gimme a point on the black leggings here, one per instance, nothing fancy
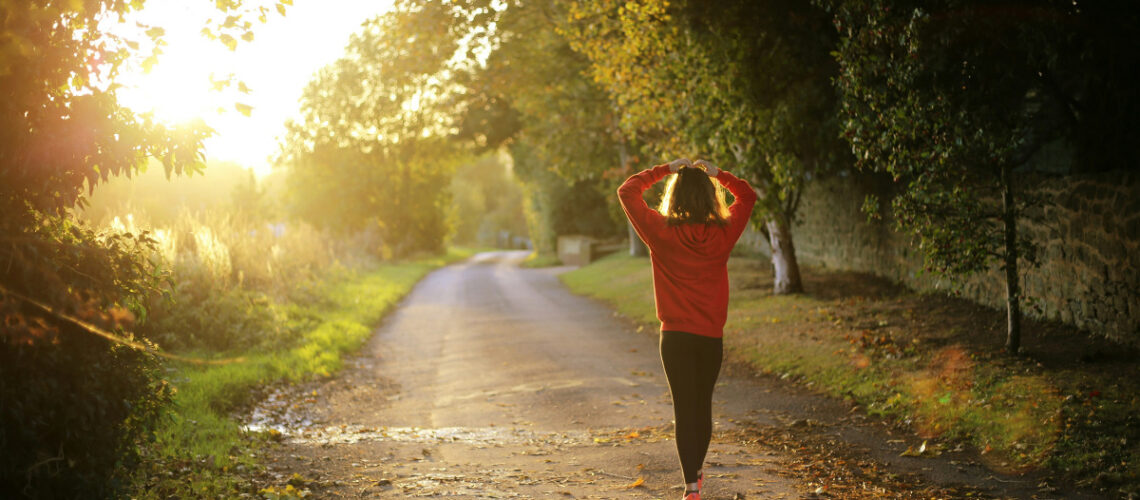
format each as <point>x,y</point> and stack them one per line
<point>692,364</point>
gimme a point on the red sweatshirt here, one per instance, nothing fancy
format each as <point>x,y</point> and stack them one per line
<point>690,261</point>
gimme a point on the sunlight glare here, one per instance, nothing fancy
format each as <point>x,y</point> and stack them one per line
<point>178,89</point>
<point>276,66</point>
<point>177,92</point>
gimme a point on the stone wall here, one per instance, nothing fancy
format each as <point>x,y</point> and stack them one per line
<point>1088,232</point>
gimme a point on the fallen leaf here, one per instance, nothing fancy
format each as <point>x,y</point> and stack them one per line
<point>640,481</point>
<point>912,452</point>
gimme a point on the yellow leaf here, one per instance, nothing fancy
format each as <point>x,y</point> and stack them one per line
<point>640,481</point>
<point>229,40</point>
<point>244,109</point>
<point>912,452</point>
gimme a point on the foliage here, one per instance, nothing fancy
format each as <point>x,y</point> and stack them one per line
<point>567,122</point>
<point>59,398</point>
<point>941,96</point>
<point>163,200</point>
<point>956,100</point>
<point>487,201</point>
<point>555,206</point>
<point>917,109</point>
<point>371,148</point>
<point>744,84</point>
<point>74,407</point>
<point>559,127</point>
<point>229,273</point>
<point>730,81</point>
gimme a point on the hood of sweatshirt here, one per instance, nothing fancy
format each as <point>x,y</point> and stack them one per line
<point>701,239</point>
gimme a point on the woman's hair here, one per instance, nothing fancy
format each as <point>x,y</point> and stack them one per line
<point>691,197</point>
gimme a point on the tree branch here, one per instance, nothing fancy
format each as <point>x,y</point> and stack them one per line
<point>134,344</point>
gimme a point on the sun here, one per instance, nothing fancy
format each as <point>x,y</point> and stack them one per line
<point>266,75</point>
<point>179,87</point>
<point>177,90</point>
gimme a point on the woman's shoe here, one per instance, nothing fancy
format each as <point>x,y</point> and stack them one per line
<point>692,495</point>
<point>700,480</point>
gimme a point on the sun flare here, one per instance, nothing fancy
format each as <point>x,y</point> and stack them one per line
<point>179,87</point>
<point>274,67</point>
<point>175,92</point>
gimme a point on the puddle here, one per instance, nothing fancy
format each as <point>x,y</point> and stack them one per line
<point>286,412</point>
<point>278,412</point>
<point>488,436</point>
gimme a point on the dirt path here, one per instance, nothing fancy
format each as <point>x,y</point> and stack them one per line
<point>493,381</point>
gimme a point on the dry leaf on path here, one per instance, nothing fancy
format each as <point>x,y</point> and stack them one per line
<point>911,452</point>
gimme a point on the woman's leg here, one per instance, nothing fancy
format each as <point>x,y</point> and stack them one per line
<point>692,364</point>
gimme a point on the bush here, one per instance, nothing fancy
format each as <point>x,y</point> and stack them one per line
<point>74,415</point>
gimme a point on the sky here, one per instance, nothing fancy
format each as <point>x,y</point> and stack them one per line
<point>276,66</point>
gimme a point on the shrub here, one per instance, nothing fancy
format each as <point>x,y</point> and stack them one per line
<point>74,414</point>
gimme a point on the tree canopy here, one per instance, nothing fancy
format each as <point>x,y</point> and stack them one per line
<point>955,100</point>
<point>744,84</point>
<point>371,149</point>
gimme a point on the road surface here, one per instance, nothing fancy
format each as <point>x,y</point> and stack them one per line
<point>494,381</point>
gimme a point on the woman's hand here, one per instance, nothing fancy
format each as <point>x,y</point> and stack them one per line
<point>709,167</point>
<point>676,165</point>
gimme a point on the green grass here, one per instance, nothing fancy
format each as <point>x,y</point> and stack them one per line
<point>900,362</point>
<point>205,445</point>
<point>535,260</point>
<point>621,280</point>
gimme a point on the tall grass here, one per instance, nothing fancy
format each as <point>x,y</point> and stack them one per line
<point>233,276</point>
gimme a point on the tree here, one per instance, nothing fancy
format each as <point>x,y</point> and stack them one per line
<point>78,395</point>
<point>488,202</point>
<point>530,96</point>
<point>371,148</point>
<point>957,100</point>
<point>745,84</point>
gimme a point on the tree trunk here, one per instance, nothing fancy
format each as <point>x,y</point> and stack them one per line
<point>1012,286</point>
<point>637,247</point>
<point>784,263</point>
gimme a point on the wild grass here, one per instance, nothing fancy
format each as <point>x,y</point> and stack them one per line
<point>916,362</point>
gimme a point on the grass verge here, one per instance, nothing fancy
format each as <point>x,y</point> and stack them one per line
<point>202,452</point>
<point>930,363</point>
<point>535,260</point>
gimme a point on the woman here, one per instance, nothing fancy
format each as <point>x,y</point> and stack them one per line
<point>689,241</point>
